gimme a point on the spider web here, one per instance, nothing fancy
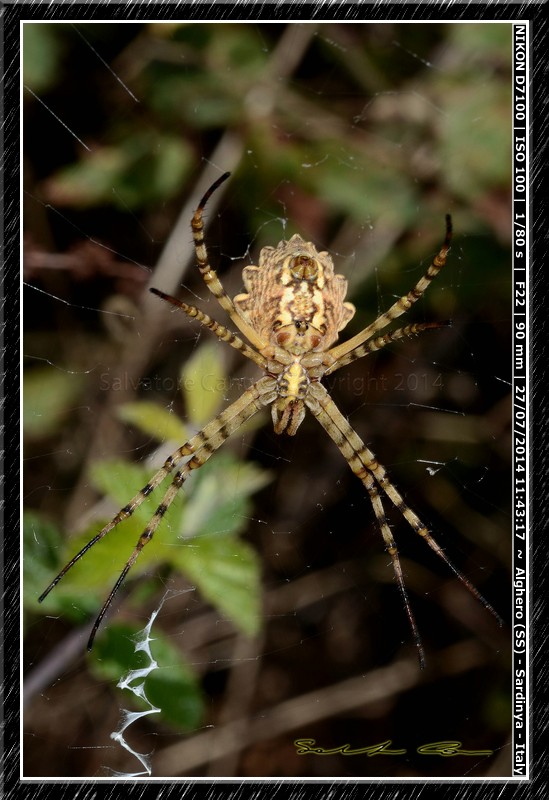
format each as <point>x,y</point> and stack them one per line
<point>334,661</point>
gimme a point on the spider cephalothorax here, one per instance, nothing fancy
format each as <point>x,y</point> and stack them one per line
<point>291,314</point>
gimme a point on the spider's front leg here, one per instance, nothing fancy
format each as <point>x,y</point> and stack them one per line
<point>343,353</point>
<point>210,276</point>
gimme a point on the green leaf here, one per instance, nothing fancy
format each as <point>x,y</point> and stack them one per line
<point>225,570</point>
<point>479,118</point>
<point>48,395</point>
<point>86,582</point>
<point>90,181</point>
<point>171,686</point>
<point>154,420</point>
<point>45,553</point>
<point>139,169</point>
<point>204,383</point>
<point>227,573</point>
<point>220,500</point>
<point>121,481</point>
<point>383,193</point>
<point>173,161</point>
<point>42,52</point>
<point>41,542</point>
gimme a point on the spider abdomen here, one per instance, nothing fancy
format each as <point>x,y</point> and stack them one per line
<point>294,299</point>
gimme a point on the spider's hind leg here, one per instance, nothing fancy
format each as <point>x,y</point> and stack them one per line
<point>367,468</point>
<point>391,548</point>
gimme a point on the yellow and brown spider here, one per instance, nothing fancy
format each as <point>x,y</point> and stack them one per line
<point>291,314</point>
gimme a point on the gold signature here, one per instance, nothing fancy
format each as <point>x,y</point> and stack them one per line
<point>449,748</point>
<point>445,748</point>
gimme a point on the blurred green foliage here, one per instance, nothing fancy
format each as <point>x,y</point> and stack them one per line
<point>196,79</point>
<point>48,395</point>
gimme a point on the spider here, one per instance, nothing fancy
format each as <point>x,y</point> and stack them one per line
<point>291,314</point>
